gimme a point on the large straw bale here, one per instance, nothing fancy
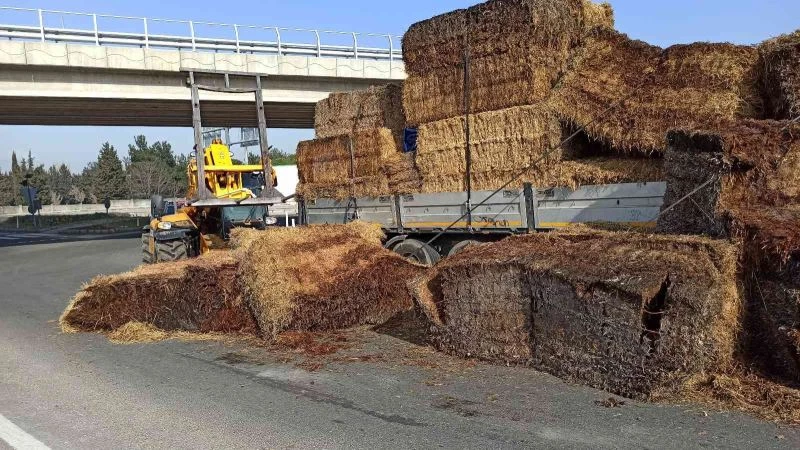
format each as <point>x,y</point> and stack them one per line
<point>781,57</point>
<point>749,163</point>
<point>378,166</point>
<point>652,90</point>
<point>347,112</point>
<point>494,27</point>
<point>641,312</point>
<point>517,50</point>
<point>200,295</point>
<point>504,142</point>
<point>322,277</point>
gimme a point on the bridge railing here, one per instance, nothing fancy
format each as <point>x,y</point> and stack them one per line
<point>88,28</point>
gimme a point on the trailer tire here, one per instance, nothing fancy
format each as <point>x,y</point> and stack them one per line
<point>174,250</point>
<point>417,251</point>
<point>459,247</point>
<point>147,256</point>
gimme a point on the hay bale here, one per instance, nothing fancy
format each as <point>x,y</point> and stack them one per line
<point>494,27</point>
<point>781,58</point>
<point>517,50</point>
<point>753,163</point>
<point>347,112</point>
<point>378,166</point>
<point>322,277</point>
<point>505,142</point>
<point>693,86</point>
<point>199,295</point>
<point>641,313</point>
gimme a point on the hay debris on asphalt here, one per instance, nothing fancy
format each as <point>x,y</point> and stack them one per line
<point>200,295</point>
<point>322,277</point>
<point>623,312</point>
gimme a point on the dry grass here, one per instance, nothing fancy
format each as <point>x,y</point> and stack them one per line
<point>642,312</point>
<point>321,277</point>
<point>199,295</point>
<point>347,112</point>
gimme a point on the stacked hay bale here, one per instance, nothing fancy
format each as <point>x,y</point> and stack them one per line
<point>744,184</point>
<point>322,277</point>
<point>628,93</point>
<point>643,312</point>
<point>781,57</point>
<point>358,147</point>
<point>517,52</point>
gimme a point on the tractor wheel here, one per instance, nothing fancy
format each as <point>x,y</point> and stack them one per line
<point>171,250</point>
<point>147,256</point>
<point>417,251</point>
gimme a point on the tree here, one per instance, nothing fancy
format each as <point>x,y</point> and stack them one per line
<point>147,178</point>
<point>160,151</point>
<point>277,156</point>
<point>108,177</point>
<point>59,180</point>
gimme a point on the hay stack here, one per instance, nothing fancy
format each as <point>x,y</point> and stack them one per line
<point>379,167</point>
<point>195,295</point>
<point>517,50</point>
<point>322,277</point>
<point>781,57</point>
<point>345,112</point>
<point>641,312</point>
<point>686,86</point>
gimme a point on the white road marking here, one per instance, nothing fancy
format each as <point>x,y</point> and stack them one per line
<point>17,438</point>
<point>8,238</point>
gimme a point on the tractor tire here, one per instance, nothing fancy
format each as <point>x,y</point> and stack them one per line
<point>147,256</point>
<point>417,251</point>
<point>174,250</point>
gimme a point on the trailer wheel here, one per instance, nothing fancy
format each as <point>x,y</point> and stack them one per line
<point>173,250</point>
<point>458,248</point>
<point>417,251</point>
<point>147,256</point>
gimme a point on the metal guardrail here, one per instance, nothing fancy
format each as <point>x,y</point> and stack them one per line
<point>318,43</point>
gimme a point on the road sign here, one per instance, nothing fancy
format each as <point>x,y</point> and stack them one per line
<point>29,194</point>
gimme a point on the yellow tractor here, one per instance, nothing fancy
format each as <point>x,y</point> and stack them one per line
<point>206,223</point>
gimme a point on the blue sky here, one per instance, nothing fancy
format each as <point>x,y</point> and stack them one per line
<point>658,22</point>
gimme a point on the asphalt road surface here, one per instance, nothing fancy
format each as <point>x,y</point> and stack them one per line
<point>81,391</point>
<point>8,239</point>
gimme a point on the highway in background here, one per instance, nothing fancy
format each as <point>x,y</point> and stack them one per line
<point>81,391</point>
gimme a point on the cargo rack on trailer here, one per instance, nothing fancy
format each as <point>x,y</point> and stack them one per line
<point>411,221</point>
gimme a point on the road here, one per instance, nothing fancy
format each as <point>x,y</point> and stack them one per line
<point>11,239</point>
<point>81,391</point>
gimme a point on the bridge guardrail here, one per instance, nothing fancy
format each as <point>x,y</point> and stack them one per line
<point>35,27</point>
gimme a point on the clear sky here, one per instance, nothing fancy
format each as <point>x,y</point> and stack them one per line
<point>660,22</point>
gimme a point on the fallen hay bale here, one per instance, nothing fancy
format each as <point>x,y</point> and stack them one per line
<point>641,313</point>
<point>691,86</point>
<point>199,295</point>
<point>377,167</point>
<point>320,278</point>
<point>781,58</point>
<point>347,112</point>
<point>516,49</point>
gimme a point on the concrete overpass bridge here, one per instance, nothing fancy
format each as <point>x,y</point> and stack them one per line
<point>114,70</point>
